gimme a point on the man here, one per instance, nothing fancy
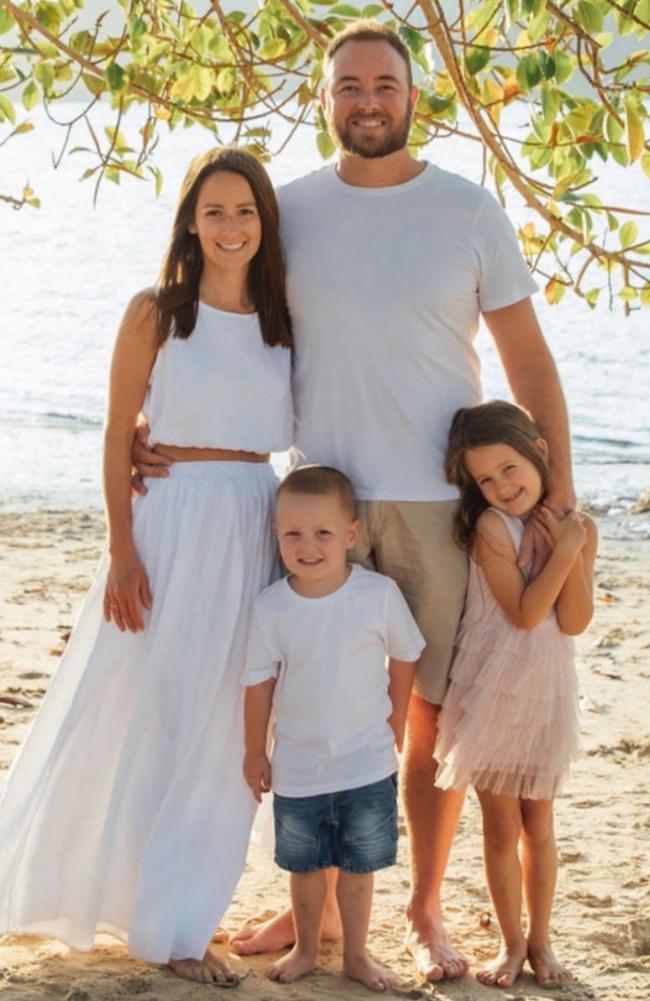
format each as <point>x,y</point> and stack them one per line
<point>390,263</point>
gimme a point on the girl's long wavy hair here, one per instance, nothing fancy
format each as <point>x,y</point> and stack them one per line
<point>492,423</point>
<point>178,285</point>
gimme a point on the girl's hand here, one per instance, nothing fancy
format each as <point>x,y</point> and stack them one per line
<point>568,533</point>
<point>257,772</point>
<point>127,592</point>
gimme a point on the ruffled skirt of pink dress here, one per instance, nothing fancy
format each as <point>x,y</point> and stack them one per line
<point>509,722</point>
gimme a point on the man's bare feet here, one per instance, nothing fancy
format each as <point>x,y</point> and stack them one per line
<point>545,965</point>
<point>278,933</point>
<point>369,973</point>
<point>209,970</point>
<point>505,968</point>
<point>292,966</point>
<point>435,959</point>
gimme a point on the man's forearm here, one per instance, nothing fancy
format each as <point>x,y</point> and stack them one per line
<point>535,385</point>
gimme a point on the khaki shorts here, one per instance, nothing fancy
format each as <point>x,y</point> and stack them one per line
<point>411,541</point>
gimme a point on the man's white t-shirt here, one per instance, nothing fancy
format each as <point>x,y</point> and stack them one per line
<point>331,701</point>
<point>385,288</point>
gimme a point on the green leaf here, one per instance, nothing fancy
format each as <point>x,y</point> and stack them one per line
<point>645,295</point>
<point>589,16</point>
<point>613,130</point>
<point>44,73</point>
<point>529,72</point>
<point>547,64</point>
<point>138,27</point>
<point>634,132</point>
<point>7,110</point>
<point>325,145</point>
<point>31,95</point>
<point>591,297</point>
<point>272,48</point>
<point>346,10</point>
<point>645,164</point>
<point>415,40</point>
<point>94,84</point>
<point>564,66</point>
<point>23,127</point>
<point>476,58</point>
<point>116,79</point>
<point>628,234</point>
<point>642,11</point>
<point>627,293</point>
<point>6,21</point>
<point>372,10</point>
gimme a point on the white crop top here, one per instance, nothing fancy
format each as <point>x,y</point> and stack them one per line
<point>222,387</point>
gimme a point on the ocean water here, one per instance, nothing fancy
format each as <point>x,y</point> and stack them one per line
<point>68,269</point>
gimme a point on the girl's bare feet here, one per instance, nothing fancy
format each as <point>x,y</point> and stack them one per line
<point>209,970</point>
<point>292,966</point>
<point>369,973</point>
<point>545,965</point>
<point>505,968</point>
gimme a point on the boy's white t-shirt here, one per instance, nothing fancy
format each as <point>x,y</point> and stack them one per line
<point>331,700</point>
<point>385,288</point>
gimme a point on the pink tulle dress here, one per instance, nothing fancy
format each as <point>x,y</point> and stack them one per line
<point>509,722</point>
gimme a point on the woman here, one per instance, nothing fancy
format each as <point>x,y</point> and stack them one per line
<point>126,810</point>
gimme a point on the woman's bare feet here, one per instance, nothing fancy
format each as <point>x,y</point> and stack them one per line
<point>278,933</point>
<point>545,965</point>
<point>292,966</point>
<point>435,958</point>
<point>505,968</point>
<point>369,973</point>
<point>209,970</point>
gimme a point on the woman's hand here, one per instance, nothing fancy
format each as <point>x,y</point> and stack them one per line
<point>127,592</point>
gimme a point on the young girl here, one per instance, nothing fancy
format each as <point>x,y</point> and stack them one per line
<point>126,810</point>
<point>508,725</point>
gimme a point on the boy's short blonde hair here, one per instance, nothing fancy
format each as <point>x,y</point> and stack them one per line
<point>319,481</point>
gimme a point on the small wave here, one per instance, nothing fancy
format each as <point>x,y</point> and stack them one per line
<point>52,419</point>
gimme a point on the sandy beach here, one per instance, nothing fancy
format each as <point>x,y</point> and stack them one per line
<point>602,914</point>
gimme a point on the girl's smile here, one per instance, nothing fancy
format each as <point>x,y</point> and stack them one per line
<point>508,480</point>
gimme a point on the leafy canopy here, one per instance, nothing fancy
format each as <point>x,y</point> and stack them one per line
<point>579,69</point>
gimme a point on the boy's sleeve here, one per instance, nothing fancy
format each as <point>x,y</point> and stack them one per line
<point>404,641</point>
<point>262,658</point>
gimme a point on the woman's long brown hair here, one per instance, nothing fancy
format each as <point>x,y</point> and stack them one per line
<point>178,286</point>
<point>492,423</point>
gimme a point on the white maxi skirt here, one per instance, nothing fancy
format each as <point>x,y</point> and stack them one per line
<point>126,810</point>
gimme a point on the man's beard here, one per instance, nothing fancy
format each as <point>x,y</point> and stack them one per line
<point>394,141</point>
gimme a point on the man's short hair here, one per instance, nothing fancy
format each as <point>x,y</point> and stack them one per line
<point>367,30</point>
<point>320,481</point>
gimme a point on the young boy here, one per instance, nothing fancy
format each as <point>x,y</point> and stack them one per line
<point>317,655</point>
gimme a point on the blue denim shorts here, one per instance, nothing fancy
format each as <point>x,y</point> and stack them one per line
<point>354,830</point>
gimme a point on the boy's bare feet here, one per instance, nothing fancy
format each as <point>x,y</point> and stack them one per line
<point>505,968</point>
<point>292,966</point>
<point>209,970</point>
<point>278,933</point>
<point>435,958</point>
<point>546,967</point>
<point>369,973</point>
